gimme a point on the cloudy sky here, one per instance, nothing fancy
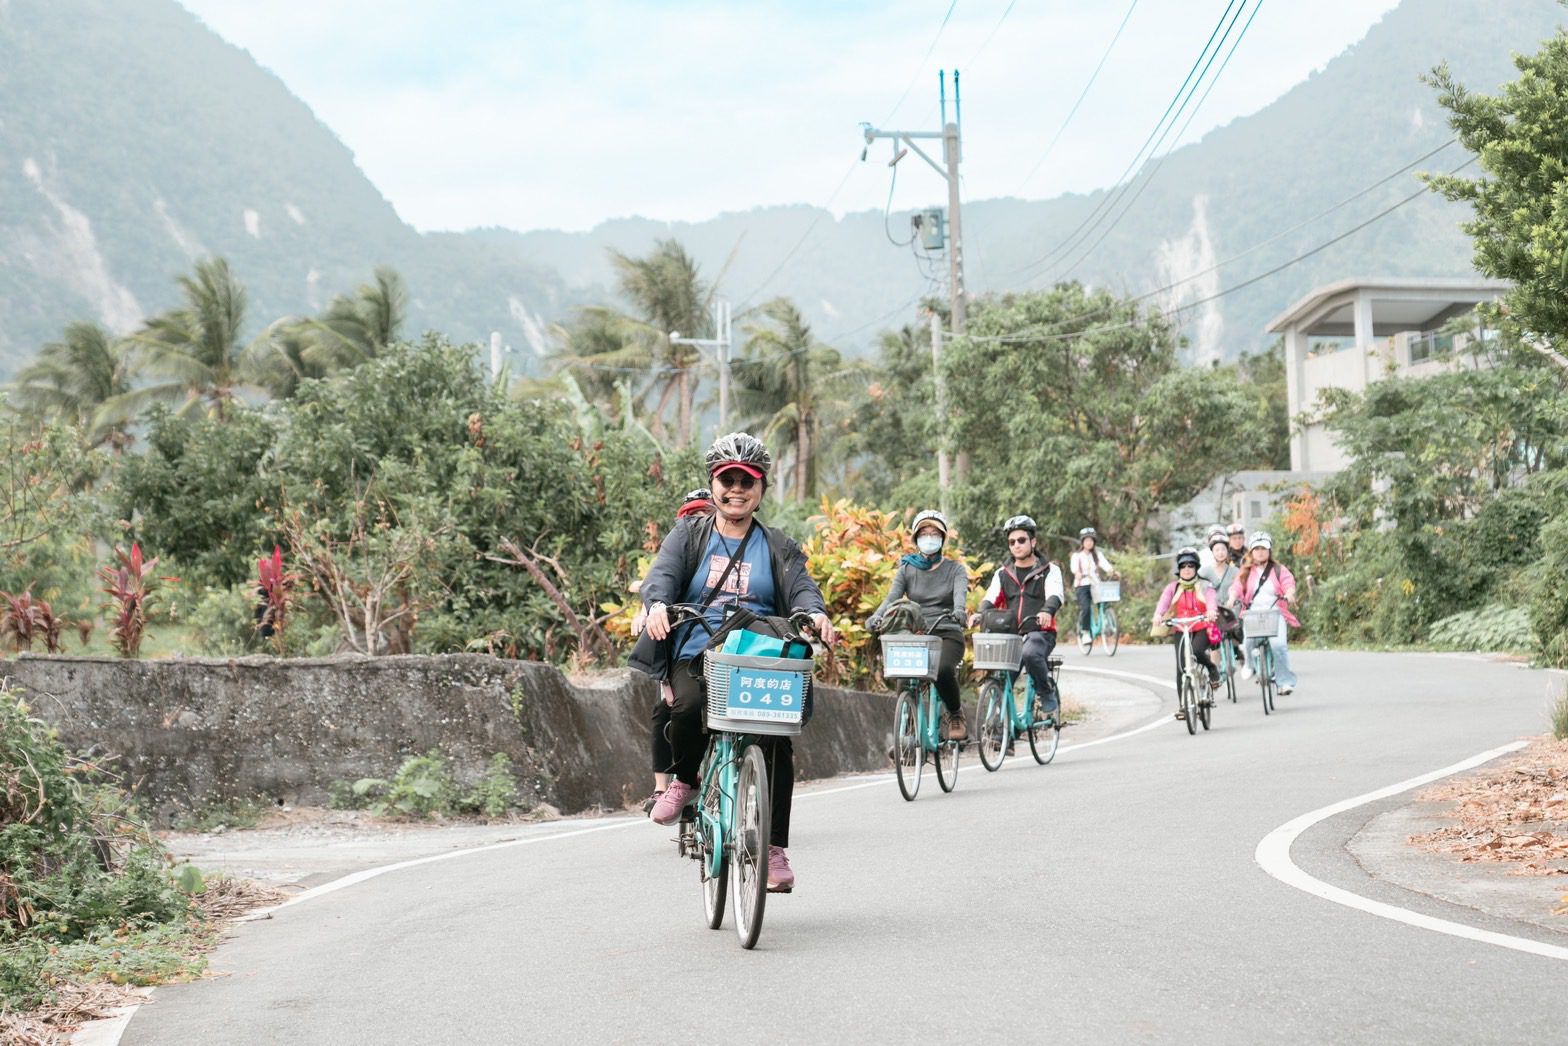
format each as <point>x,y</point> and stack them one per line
<point>549,114</point>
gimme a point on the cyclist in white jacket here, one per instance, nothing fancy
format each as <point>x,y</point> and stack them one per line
<point>1089,567</point>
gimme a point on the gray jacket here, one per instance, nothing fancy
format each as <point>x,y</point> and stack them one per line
<point>938,590</point>
<point>677,562</point>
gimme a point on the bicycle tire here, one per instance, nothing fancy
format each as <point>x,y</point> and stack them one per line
<point>1045,736</point>
<point>715,888</point>
<point>752,814</point>
<point>946,756</point>
<point>908,756</point>
<point>1110,633</point>
<point>993,728</point>
<point>1266,675</point>
<point>1206,709</point>
<point>1189,704</point>
<point>1230,671</point>
<point>1086,642</point>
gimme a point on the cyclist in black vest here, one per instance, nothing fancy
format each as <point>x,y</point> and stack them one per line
<point>1030,590</point>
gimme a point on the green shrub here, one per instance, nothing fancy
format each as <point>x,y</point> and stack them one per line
<point>223,621</point>
<point>496,792</point>
<point>1559,714</point>
<point>421,787</point>
<point>1549,597</point>
<point>1495,628</point>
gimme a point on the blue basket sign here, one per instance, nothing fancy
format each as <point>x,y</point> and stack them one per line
<point>907,659</point>
<point>759,694</point>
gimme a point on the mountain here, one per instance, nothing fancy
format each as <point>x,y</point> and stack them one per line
<point>133,140</point>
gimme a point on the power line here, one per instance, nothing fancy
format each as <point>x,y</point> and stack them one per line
<point>1191,114</point>
<point>921,67</point>
<point>1073,237</point>
<point>1054,330</point>
<point>1081,96</point>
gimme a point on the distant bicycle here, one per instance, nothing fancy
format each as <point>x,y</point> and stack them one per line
<point>1227,663</point>
<point>920,720</point>
<point>1197,693</point>
<point>1102,619</point>
<point>1003,717</point>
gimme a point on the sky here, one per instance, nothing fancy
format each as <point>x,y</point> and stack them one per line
<point>549,114</point>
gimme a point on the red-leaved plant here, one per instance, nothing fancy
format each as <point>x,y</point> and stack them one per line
<point>25,619</point>
<point>276,597</point>
<point>130,587</point>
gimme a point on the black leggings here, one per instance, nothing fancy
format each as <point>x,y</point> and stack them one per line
<point>1037,653</point>
<point>1200,649</point>
<point>947,673</point>
<point>687,727</point>
<point>663,755</point>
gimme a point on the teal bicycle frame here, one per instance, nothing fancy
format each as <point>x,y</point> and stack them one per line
<point>1020,718</point>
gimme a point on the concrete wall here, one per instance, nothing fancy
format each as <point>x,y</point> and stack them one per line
<point>190,732</point>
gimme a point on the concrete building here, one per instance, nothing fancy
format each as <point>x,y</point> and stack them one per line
<point>1250,497</point>
<point>1378,328</point>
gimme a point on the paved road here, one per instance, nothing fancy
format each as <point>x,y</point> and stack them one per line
<point>1110,897</point>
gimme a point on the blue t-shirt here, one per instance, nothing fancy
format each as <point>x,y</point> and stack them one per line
<point>750,585</point>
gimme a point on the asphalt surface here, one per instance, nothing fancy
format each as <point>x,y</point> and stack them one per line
<point>1110,897</point>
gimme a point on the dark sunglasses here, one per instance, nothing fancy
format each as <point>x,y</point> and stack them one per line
<point>1018,541</point>
<point>735,478</point>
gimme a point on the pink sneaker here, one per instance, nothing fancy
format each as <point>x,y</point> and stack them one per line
<point>781,879</point>
<point>668,809</point>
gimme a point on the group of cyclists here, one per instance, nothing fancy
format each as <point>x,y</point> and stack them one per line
<point>719,558</point>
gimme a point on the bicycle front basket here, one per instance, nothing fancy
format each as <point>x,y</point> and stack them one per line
<point>998,652</point>
<point>1106,591</point>
<point>1260,624</point>
<point>757,695</point>
<point>908,656</point>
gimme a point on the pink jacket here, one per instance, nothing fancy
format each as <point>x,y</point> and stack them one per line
<point>1168,597</point>
<point>1283,583</point>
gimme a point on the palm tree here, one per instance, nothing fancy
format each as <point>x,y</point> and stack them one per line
<point>284,356</point>
<point>196,348</point>
<point>667,294</point>
<point>85,378</point>
<point>791,387</point>
<point>353,330</point>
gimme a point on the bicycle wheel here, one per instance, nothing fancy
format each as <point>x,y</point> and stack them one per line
<point>1265,668</point>
<point>1205,705</point>
<point>1110,634</point>
<point>946,758</point>
<point>710,841</point>
<point>1189,704</point>
<point>993,726</point>
<point>1086,640</point>
<point>1229,671</point>
<point>751,846</point>
<point>1045,736</point>
<point>908,758</point>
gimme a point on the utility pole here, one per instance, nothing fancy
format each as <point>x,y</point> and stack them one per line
<point>943,481</point>
<point>952,152</point>
<point>720,344</point>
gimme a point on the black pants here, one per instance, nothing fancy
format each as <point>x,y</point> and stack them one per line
<point>688,742</point>
<point>1085,608</point>
<point>947,672</point>
<point>1200,649</point>
<point>1037,652</point>
<point>663,755</point>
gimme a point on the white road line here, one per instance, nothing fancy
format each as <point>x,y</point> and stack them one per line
<point>1273,855</point>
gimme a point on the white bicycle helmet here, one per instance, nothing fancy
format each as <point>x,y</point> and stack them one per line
<point>1020,523</point>
<point>1260,539</point>
<point>739,450</point>
<point>931,516</point>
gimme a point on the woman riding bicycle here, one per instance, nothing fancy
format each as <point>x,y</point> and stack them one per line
<point>1220,572</point>
<point>1265,584</point>
<point>938,585</point>
<point>1089,567</point>
<point>1190,597</point>
<point>1030,590</point>
<point>726,561</point>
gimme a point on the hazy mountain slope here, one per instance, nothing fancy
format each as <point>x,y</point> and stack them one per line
<point>133,141</point>
<point>1364,116</point>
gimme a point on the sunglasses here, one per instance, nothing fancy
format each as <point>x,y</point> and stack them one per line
<point>736,479</point>
<point>1018,541</point>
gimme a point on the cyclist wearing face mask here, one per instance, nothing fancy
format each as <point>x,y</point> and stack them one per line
<point>938,584</point>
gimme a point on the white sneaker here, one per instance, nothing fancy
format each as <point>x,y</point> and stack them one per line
<point>1286,691</point>
<point>1246,672</point>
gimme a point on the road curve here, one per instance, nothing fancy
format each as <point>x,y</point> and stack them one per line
<point>1112,896</point>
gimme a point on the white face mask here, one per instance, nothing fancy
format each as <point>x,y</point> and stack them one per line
<point>929,544</point>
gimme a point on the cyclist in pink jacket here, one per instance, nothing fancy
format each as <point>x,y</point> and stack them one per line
<point>1189,596</point>
<point>1266,584</point>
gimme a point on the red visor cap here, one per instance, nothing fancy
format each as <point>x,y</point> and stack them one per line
<point>751,470</point>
